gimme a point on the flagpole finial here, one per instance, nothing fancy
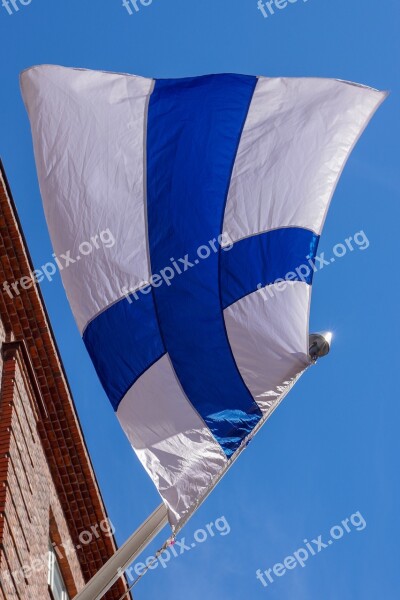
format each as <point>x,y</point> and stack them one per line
<point>319,344</point>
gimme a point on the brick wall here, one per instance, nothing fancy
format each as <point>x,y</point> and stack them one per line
<point>28,498</point>
<point>2,339</point>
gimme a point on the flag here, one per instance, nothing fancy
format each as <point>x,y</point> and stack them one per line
<point>213,191</point>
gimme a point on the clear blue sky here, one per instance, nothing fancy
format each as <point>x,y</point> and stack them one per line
<point>333,446</point>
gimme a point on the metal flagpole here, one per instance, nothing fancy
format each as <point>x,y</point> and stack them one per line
<point>124,556</point>
<point>319,346</point>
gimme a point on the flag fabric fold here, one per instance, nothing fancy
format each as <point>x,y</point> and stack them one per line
<point>212,188</point>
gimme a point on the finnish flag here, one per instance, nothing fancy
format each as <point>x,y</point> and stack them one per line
<point>215,189</point>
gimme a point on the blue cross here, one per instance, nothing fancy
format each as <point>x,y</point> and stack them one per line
<point>194,129</point>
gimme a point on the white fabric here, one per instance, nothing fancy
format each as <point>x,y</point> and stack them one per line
<point>174,445</point>
<point>297,137</point>
<point>89,137</point>
<point>268,334</point>
<point>88,129</point>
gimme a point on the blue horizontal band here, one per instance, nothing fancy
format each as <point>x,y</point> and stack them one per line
<point>262,259</point>
<point>123,342</point>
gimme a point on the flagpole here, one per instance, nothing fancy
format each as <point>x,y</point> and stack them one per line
<point>124,556</point>
<point>319,346</point>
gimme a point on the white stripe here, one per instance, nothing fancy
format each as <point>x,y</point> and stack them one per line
<point>174,445</point>
<point>296,139</point>
<point>88,129</point>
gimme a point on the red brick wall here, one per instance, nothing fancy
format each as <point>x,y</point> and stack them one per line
<point>2,338</point>
<point>28,499</point>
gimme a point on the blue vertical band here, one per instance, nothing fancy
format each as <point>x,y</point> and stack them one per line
<point>194,129</point>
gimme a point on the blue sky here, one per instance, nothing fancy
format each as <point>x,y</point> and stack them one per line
<point>332,448</point>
